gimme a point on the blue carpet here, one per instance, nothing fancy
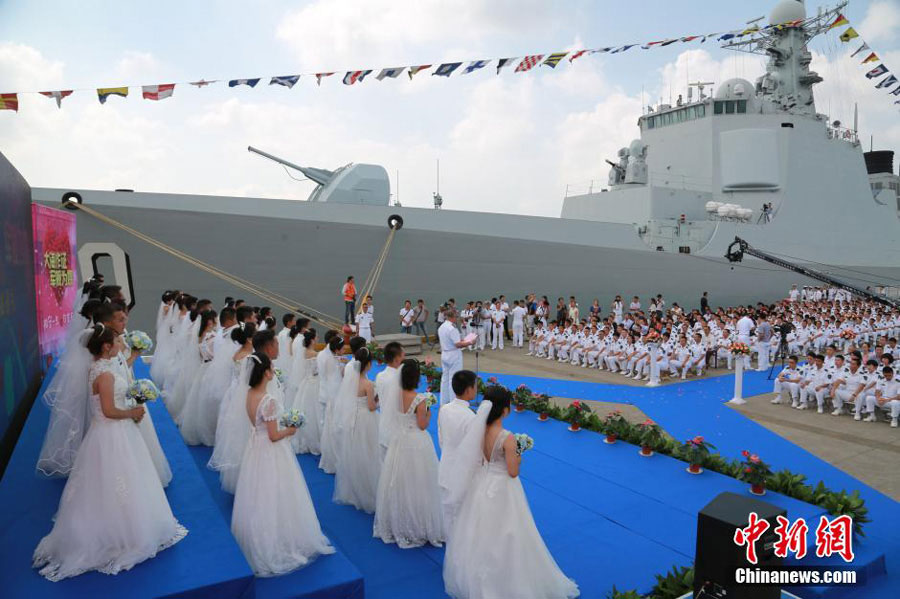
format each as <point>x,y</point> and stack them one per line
<point>207,563</point>
<point>609,516</point>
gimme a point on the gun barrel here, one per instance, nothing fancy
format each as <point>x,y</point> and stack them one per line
<point>319,176</point>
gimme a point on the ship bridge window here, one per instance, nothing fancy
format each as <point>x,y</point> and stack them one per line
<point>683,115</point>
<point>730,107</point>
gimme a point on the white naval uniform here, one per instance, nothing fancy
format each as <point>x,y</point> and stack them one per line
<point>364,325</point>
<point>451,358</point>
<point>454,419</point>
<point>518,325</point>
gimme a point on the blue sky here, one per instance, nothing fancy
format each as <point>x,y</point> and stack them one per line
<point>508,143</point>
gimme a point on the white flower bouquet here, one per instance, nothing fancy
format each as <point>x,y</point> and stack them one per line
<point>141,391</point>
<point>523,443</point>
<point>292,419</point>
<point>139,340</point>
<point>429,399</point>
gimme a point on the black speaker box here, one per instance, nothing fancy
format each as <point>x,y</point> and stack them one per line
<point>718,557</point>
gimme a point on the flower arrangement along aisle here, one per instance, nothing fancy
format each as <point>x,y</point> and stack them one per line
<point>755,472</point>
<point>695,451</point>
<point>740,349</point>
<point>576,414</point>
<point>614,425</point>
<point>522,398</point>
<point>650,436</point>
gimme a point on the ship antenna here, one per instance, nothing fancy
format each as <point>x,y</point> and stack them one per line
<point>438,200</point>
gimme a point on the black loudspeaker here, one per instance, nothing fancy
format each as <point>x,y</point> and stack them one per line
<point>718,557</point>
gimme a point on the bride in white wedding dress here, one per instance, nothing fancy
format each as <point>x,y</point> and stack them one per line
<point>494,550</point>
<point>113,512</point>
<point>408,503</point>
<point>273,520</point>
<point>359,466</point>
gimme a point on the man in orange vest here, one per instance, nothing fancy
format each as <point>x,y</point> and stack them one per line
<point>349,292</point>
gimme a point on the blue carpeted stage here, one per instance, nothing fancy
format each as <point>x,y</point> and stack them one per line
<point>608,515</point>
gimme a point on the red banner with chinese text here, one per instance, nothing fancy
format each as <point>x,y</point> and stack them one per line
<point>55,255</point>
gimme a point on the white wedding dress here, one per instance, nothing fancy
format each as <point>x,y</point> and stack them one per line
<point>274,520</point>
<point>146,426</point>
<point>162,348</point>
<point>359,466</point>
<point>329,383</point>
<point>408,504</point>
<point>113,512</point>
<point>232,431</point>
<point>494,550</point>
<point>307,401</point>
<point>70,414</point>
<point>197,423</point>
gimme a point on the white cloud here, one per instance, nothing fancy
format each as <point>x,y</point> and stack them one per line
<point>338,35</point>
<point>507,143</point>
<point>882,21</point>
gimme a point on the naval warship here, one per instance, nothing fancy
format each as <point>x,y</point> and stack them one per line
<point>751,159</point>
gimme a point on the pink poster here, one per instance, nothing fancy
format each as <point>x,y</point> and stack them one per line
<point>54,276</point>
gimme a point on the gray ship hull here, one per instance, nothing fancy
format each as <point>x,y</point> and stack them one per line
<point>305,251</point>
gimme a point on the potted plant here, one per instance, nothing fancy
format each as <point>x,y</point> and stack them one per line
<point>755,472</point>
<point>575,414</point>
<point>614,425</point>
<point>376,352</point>
<point>650,436</point>
<point>695,451</point>
<point>541,405</point>
<point>522,398</point>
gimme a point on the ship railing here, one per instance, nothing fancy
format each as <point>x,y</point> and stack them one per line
<point>656,179</point>
<point>843,134</point>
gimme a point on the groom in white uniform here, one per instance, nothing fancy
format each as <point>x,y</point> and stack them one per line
<point>454,420</point>
<point>451,354</point>
<point>388,394</point>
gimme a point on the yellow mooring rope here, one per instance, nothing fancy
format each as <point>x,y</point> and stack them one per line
<point>271,296</point>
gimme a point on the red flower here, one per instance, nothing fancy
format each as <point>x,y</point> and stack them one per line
<point>648,422</point>
<point>745,453</point>
<point>576,403</point>
<point>493,380</point>
<point>754,458</point>
<point>698,439</point>
<point>748,470</point>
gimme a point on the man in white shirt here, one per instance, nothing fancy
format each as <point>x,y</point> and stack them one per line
<point>454,420</point>
<point>284,341</point>
<point>451,354</point>
<point>388,394</point>
<point>886,397</point>
<point>364,322</point>
<point>407,317</point>
<point>787,382</point>
<point>518,324</point>
<point>498,316</point>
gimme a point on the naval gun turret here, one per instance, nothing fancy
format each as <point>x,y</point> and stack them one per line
<point>632,166</point>
<point>350,184</point>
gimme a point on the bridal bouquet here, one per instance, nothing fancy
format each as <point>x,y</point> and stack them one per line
<point>848,334</point>
<point>142,391</point>
<point>523,443</point>
<point>139,340</point>
<point>429,399</point>
<point>292,419</point>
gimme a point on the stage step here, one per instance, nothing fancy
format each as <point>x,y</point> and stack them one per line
<point>207,563</point>
<point>328,577</point>
<point>412,344</point>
